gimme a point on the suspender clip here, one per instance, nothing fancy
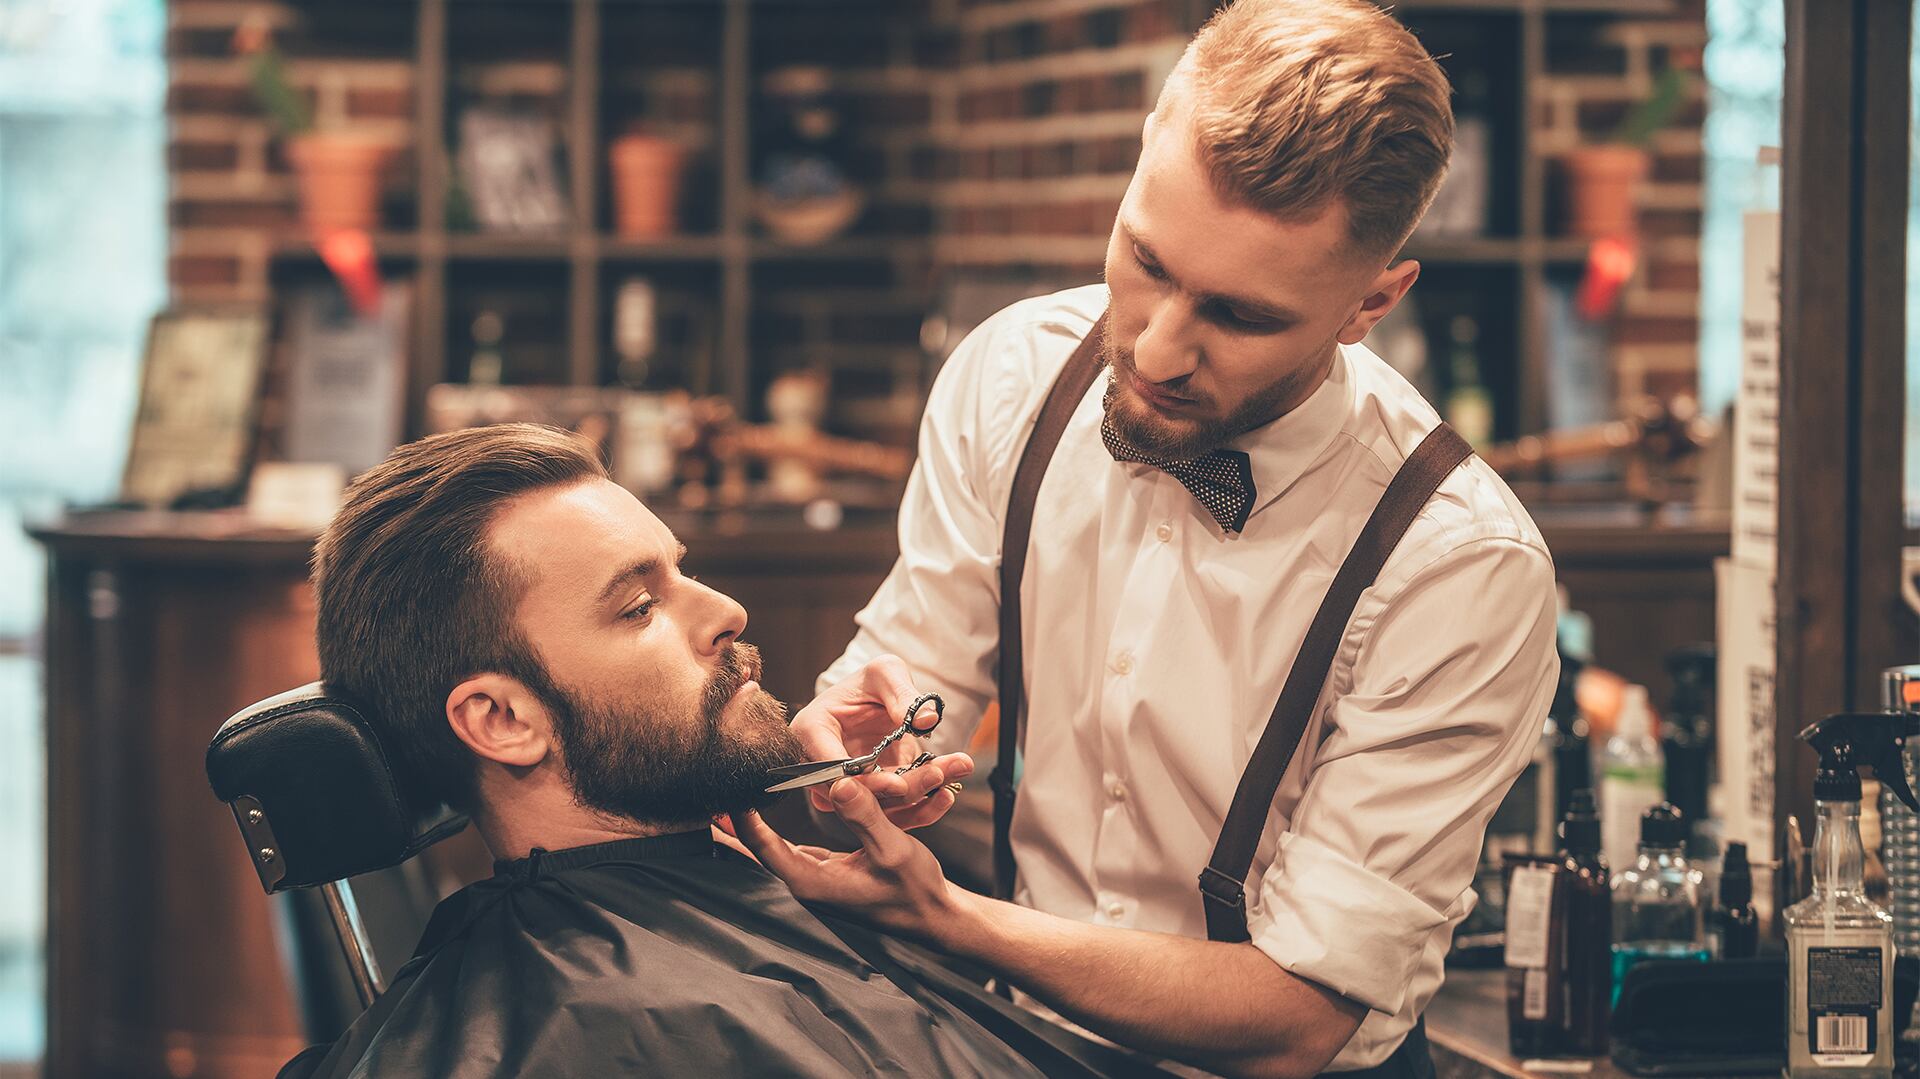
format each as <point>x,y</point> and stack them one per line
<point>1219,888</point>
<point>1001,781</point>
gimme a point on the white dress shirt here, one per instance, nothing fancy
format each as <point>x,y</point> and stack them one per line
<point>1157,645</point>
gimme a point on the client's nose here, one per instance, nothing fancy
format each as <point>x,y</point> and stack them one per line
<point>719,621</point>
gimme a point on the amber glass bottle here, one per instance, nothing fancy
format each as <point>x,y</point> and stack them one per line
<point>1589,928</point>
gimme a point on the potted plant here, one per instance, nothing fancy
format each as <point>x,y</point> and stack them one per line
<point>1603,178</point>
<point>647,171</point>
<point>338,172</point>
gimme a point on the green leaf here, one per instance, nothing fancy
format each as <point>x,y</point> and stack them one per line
<point>1653,114</point>
<point>282,103</point>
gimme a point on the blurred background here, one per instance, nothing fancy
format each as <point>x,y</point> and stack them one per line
<point>247,246</point>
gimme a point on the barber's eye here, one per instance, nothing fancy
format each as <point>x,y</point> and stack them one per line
<point>1233,320</point>
<point>1151,269</point>
<point>640,613</point>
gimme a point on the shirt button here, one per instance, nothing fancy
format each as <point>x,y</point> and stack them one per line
<point>1163,533</point>
<point>1115,910</point>
<point>1119,792</point>
<point>1123,663</point>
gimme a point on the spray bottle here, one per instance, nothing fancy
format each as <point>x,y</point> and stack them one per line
<point>1839,943</point>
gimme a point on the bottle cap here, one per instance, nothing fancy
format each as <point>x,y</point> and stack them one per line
<point>1580,830</point>
<point>1635,719</point>
<point>1663,826</point>
<point>1736,878</point>
<point>1838,777</point>
<point>1900,687</point>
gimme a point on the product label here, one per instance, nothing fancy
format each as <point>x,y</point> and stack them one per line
<point>1529,916</point>
<point>1843,1002</point>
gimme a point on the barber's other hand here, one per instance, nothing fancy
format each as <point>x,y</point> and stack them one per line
<point>850,718</point>
<point>893,880</point>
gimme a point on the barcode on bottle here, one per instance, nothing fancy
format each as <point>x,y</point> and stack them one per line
<point>1533,998</point>
<point>1840,1034</point>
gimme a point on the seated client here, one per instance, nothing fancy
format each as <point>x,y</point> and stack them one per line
<point>538,659</point>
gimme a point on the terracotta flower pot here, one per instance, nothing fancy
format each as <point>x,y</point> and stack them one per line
<point>646,185</point>
<point>339,177</point>
<point>1601,184</point>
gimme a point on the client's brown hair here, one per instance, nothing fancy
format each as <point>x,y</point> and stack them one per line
<point>410,600</point>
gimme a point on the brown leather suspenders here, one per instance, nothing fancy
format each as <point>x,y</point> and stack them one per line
<point>1223,882</point>
<point>1071,385</point>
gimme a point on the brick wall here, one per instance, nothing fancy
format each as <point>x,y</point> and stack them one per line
<point>1041,118</point>
<point>1596,69</point>
<point>231,193</point>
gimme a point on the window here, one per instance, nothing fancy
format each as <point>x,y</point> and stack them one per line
<point>82,268</point>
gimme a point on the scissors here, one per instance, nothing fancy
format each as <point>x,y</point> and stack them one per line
<point>808,773</point>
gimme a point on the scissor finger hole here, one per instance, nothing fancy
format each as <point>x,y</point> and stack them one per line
<point>913,712</point>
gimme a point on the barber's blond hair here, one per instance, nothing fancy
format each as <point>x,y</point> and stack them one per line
<point>1298,103</point>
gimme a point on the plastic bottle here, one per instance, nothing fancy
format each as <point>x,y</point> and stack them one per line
<point>1535,955</point>
<point>1587,966</point>
<point>1631,777</point>
<point>1657,908</point>
<point>1839,943</point>
<point>1736,929</point>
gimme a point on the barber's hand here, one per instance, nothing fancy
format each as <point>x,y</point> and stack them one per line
<point>851,718</point>
<point>893,880</point>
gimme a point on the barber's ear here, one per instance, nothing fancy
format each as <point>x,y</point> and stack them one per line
<point>1388,287</point>
<point>500,720</point>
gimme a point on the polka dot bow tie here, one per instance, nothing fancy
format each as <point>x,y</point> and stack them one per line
<point>1221,480</point>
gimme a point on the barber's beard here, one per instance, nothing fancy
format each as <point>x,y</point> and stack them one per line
<point>1183,438</point>
<point>645,762</point>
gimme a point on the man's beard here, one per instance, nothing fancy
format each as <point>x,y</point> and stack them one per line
<point>1158,436</point>
<point>642,762</point>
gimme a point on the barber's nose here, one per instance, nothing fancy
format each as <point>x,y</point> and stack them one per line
<point>1166,350</point>
<point>721,620</point>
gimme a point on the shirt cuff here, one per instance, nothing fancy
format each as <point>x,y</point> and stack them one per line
<point>1325,917</point>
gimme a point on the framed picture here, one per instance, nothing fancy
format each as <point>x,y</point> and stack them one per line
<point>193,431</point>
<point>346,376</point>
<point>507,164</point>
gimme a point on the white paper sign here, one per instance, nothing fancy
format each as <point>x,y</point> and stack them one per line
<point>1756,409</point>
<point>1745,730</point>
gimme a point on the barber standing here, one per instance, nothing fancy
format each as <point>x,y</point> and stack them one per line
<point>1220,442</point>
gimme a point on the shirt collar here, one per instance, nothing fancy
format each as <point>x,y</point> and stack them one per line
<point>1281,450</point>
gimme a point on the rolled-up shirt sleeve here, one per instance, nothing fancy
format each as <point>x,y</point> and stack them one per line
<point>1454,672</point>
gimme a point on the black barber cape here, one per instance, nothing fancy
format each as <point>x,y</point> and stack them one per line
<point>674,955</point>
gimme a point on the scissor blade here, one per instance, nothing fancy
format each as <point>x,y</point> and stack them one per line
<point>833,770</point>
<point>806,767</point>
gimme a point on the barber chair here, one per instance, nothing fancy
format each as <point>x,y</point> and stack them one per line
<point>317,804</point>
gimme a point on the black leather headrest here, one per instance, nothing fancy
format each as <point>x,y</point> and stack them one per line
<point>313,791</point>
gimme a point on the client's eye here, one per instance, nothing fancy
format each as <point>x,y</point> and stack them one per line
<point>639,613</point>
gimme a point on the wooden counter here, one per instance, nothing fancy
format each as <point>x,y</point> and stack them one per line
<point>1467,1024</point>
<point>161,951</point>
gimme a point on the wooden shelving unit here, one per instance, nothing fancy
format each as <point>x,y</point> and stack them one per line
<point>582,258</point>
<point>1501,279</point>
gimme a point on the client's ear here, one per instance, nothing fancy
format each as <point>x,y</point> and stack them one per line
<point>500,720</point>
